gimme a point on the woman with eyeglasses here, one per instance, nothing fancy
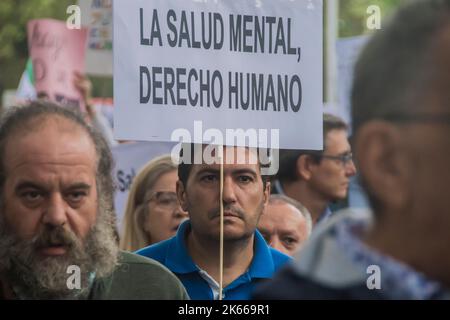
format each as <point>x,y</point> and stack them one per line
<point>153,213</point>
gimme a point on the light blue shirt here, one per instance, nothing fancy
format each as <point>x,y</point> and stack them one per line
<point>398,280</point>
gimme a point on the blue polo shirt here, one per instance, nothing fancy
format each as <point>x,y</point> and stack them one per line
<point>174,255</point>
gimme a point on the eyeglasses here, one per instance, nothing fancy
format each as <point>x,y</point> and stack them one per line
<point>164,199</point>
<point>343,159</point>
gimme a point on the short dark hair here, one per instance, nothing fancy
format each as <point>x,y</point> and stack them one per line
<point>383,80</point>
<point>19,119</point>
<point>184,169</point>
<point>288,158</point>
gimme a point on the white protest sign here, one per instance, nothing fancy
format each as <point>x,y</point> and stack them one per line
<point>129,158</point>
<point>212,66</point>
<point>347,50</point>
<point>97,16</point>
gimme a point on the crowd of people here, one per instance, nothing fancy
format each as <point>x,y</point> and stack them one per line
<point>280,239</point>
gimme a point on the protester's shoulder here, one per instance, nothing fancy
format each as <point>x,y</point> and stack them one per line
<point>155,251</point>
<point>288,284</point>
<point>138,277</point>
<point>130,258</point>
<point>279,258</point>
<point>144,264</point>
<point>321,270</point>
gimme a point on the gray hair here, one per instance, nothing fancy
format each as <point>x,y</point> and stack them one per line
<point>21,119</point>
<point>279,198</point>
<point>97,255</point>
<point>383,80</point>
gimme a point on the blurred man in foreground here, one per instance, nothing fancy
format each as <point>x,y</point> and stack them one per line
<point>401,116</point>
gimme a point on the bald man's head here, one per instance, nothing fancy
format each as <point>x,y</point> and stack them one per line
<point>285,224</point>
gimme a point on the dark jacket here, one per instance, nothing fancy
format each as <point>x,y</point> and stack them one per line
<point>138,278</point>
<point>322,271</point>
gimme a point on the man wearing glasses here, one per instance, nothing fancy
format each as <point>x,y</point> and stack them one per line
<point>316,178</point>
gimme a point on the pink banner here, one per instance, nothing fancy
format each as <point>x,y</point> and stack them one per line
<point>57,52</point>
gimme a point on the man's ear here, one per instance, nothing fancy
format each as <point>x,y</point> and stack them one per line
<point>267,193</point>
<point>181,195</point>
<point>304,166</point>
<point>384,164</point>
<point>267,190</point>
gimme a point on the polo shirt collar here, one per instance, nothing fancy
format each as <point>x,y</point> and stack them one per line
<point>177,257</point>
<point>262,264</point>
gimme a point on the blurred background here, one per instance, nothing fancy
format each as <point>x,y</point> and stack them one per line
<point>343,19</point>
<point>347,26</point>
<point>14,16</point>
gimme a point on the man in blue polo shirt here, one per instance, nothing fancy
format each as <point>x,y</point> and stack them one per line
<point>193,254</point>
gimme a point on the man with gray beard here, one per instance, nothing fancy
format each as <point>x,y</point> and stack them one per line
<point>57,234</point>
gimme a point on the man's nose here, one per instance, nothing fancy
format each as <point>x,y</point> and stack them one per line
<point>56,212</point>
<point>350,169</point>
<point>229,195</point>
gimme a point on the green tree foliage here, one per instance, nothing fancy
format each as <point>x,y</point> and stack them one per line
<point>353,15</point>
<point>14,15</point>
